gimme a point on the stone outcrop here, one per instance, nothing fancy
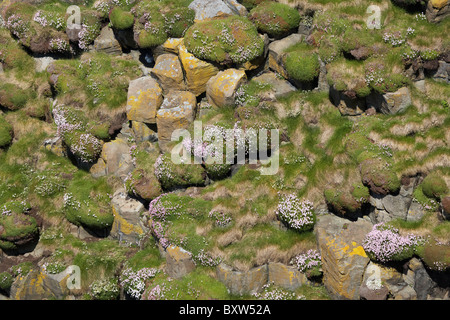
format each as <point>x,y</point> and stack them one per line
<point>221,88</point>
<point>343,257</point>
<point>437,10</point>
<point>107,42</point>
<point>177,112</point>
<point>178,262</point>
<point>390,102</point>
<point>169,72</point>
<point>278,87</point>
<point>197,72</point>
<point>209,9</point>
<point>115,159</point>
<point>127,224</point>
<point>243,282</point>
<point>144,99</point>
<point>276,53</point>
<point>347,105</point>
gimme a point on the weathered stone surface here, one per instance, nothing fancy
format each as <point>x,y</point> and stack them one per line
<point>348,106</point>
<point>415,212</point>
<point>142,132</point>
<point>378,280</point>
<point>169,72</point>
<point>127,224</point>
<point>107,42</point>
<point>443,72</point>
<point>236,7</point>
<point>38,285</point>
<point>42,63</point>
<point>177,112</point>
<point>178,262</point>
<point>437,10</point>
<point>287,277</point>
<point>276,53</point>
<point>207,9</point>
<point>279,87</point>
<point>242,282</point>
<point>419,279</point>
<point>55,145</point>
<point>391,102</point>
<point>144,99</point>
<point>445,207</point>
<point>197,72</point>
<point>99,169</point>
<point>343,257</point>
<point>72,32</point>
<point>116,155</point>
<point>221,88</point>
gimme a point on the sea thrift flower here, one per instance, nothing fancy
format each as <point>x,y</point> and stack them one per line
<point>297,214</point>
<point>134,281</point>
<point>384,243</point>
<point>306,261</point>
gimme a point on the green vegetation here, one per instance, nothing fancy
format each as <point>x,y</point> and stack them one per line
<point>302,63</point>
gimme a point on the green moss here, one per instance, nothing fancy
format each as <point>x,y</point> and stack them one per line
<point>275,19</point>
<point>434,186</point>
<point>436,256</point>
<point>5,132</point>
<point>377,174</point>
<point>13,97</point>
<point>227,40</point>
<point>6,280</point>
<point>302,64</point>
<point>121,19</point>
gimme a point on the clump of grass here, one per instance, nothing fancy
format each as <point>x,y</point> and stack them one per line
<point>121,19</point>
<point>275,19</point>
<point>5,132</point>
<point>231,40</point>
<point>434,186</point>
<point>302,63</point>
<point>13,97</point>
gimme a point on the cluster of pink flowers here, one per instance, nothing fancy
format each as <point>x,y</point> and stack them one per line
<point>65,121</point>
<point>221,219</point>
<point>40,18</point>
<point>297,214</point>
<point>384,243</point>
<point>17,26</point>
<point>160,211</point>
<point>87,35</point>
<point>163,170</point>
<point>305,261</point>
<point>205,259</point>
<point>160,233</point>
<point>134,282</point>
<point>60,45</point>
<point>156,293</point>
<point>395,38</point>
<point>87,147</point>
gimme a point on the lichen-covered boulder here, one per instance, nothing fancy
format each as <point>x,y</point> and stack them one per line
<point>169,73</point>
<point>221,89</point>
<point>127,224</point>
<point>343,257</point>
<point>285,276</point>
<point>179,262</point>
<point>276,53</point>
<point>197,71</point>
<point>144,99</point>
<point>243,282</point>
<point>209,9</point>
<point>390,102</point>
<point>177,112</point>
<point>107,42</point>
<point>117,158</point>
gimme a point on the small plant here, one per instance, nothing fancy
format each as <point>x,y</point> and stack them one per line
<point>105,289</point>
<point>302,64</point>
<point>5,132</point>
<point>6,280</point>
<point>434,186</point>
<point>221,219</point>
<point>121,19</point>
<point>295,213</point>
<point>384,243</point>
<point>134,282</point>
<point>273,292</point>
<point>309,263</point>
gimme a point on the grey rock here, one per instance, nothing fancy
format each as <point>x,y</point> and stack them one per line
<point>243,282</point>
<point>390,102</point>
<point>178,262</point>
<point>107,42</point>
<point>206,9</point>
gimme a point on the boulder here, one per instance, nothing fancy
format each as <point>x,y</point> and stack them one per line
<point>169,73</point>
<point>207,9</point>
<point>127,225</point>
<point>177,112</point>
<point>437,10</point>
<point>287,277</point>
<point>378,281</point>
<point>144,99</point>
<point>221,88</point>
<point>343,257</point>
<point>348,105</point>
<point>443,72</point>
<point>178,262</point>
<point>243,282</point>
<point>99,169</point>
<point>417,277</point>
<point>116,155</point>
<point>415,212</point>
<point>107,42</point>
<point>276,53</point>
<point>390,102</point>
<point>279,87</point>
<point>445,207</point>
<point>197,72</point>
<point>143,132</point>
<point>37,285</point>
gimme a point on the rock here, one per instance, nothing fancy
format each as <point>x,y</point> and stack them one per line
<point>55,145</point>
<point>347,105</point>
<point>116,155</point>
<point>406,293</point>
<point>443,72</point>
<point>287,277</point>
<point>236,7</point>
<point>391,102</point>
<point>420,85</point>
<point>276,53</point>
<point>172,45</point>
<point>42,63</point>
<point>146,186</point>
<point>142,132</point>
<point>127,224</point>
<point>99,169</point>
<point>177,112</point>
<point>415,212</point>
<point>437,10</point>
<point>417,277</point>
<point>207,9</point>
<point>279,87</point>
<point>107,42</point>
<point>72,32</point>
<point>178,262</point>
<point>445,207</point>
<point>169,72</point>
<point>144,99</point>
<point>343,257</point>
<point>38,285</point>
<point>197,72</point>
<point>380,280</point>
<point>396,205</point>
<point>221,88</point>
<point>243,282</point>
